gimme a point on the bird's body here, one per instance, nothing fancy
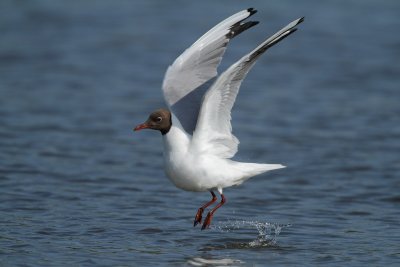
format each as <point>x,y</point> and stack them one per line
<point>196,129</point>
<point>193,170</point>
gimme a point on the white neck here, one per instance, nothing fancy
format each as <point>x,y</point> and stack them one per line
<point>176,140</point>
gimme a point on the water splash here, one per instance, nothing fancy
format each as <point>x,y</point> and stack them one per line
<point>267,232</point>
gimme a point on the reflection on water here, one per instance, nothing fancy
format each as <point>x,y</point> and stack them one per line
<point>198,261</point>
<point>241,235</point>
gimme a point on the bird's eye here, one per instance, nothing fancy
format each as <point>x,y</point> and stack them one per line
<point>158,119</point>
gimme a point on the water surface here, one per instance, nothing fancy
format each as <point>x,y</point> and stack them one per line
<point>79,188</point>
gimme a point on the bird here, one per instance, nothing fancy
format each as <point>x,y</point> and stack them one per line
<point>196,125</point>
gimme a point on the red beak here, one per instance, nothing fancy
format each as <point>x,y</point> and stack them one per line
<point>141,127</point>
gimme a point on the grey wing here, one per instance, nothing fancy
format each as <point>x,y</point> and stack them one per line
<point>214,130</point>
<point>188,78</point>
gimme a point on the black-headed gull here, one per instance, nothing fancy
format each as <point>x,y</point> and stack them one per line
<point>196,130</point>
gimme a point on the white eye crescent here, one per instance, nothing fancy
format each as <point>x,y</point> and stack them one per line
<point>158,119</point>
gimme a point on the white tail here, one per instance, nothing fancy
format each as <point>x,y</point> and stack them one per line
<point>252,169</point>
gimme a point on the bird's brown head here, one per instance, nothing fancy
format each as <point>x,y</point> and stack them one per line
<point>158,120</point>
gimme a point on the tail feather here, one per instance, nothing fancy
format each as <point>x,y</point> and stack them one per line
<point>256,168</point>
<point>252,169</point>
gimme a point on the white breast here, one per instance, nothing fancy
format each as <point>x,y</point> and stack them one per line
<point>177,159</point>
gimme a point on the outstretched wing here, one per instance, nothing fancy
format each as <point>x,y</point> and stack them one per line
<point>213,131</point>
<point>182,86</point>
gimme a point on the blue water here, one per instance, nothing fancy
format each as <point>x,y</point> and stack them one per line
<point>79,188</point>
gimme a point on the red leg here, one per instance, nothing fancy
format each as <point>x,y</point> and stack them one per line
<point>200,211</point>
<point>208,219</point>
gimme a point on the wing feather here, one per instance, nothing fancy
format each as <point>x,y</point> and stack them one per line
<point>197,65</point>
<point>213,132</point>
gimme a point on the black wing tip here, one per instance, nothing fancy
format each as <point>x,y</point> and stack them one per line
<point>252,11</point>
<point>300,20</point>
<point>240,27</point>
<point>279,38</point>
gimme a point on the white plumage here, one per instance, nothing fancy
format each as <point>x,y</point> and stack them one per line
<point>198,140</point>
